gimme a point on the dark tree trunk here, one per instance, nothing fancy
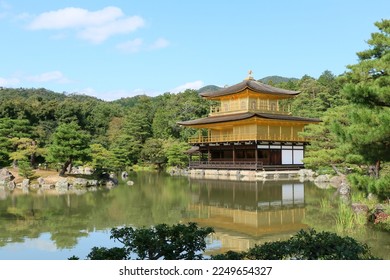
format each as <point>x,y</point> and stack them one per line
<point>64,167</point>
<point>377,168</point>
<point>337,170</point>
<point>32,160</point>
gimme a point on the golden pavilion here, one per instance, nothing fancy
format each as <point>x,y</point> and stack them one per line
<point>249,128</point>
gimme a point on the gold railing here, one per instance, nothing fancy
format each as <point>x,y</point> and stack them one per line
<point>218,110</point>
<point>243,137</point>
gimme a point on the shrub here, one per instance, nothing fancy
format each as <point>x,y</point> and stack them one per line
<point>25,169</point>
<point>309,245</point>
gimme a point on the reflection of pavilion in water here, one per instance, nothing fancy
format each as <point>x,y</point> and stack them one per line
<point>244,213</point>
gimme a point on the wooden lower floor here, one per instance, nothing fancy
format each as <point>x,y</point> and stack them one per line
<point>245,165</point>
<point>248,156</point>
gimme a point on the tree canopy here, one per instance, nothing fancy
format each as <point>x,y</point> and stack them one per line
<point>69,143</point>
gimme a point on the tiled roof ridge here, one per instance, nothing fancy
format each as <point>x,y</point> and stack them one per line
<point>251,84</point>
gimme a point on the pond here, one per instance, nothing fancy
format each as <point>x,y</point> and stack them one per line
<point>50,227</point>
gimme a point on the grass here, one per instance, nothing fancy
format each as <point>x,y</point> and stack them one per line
<point>325,205</point>
<point>347,219</point>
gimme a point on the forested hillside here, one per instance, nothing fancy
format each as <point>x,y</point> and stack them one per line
<point>42,126</point>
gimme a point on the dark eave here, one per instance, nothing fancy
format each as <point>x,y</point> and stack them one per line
<point>250,84</point>
<point>244,116</point>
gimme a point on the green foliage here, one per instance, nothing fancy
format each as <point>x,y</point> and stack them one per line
<point>368,86</point>
<point>325,147</point>
<point>347,220</point>
<point>276,80</point>
<point>101,159</point>
<point>316,95</point>
<point>366,184</point>
<point>154,152</point>
<point>69,143</point>
<point>9,129</point>
<point>208,88</point>
<point>26,148</point>
<point>175,242</point>
<point>229,255</point>
<point>311,245</point>
<point>356,133</point>
<point>102,253</point>
<point>25,169</point>
<point>178,107</point>
<point>126,151</point>
<point>187,242</point>
<point>174,151</point>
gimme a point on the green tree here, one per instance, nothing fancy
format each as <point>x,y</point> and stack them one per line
<point>101,158</point>
<point>326,149</point>
<point>306,245</point>
<point>183,106</point>
<point>102,253</point>
<point>25,169</point>
<point>26,148</point>
<point>153,152</point>
<point>126,151</point>
<point>367,87</point>
<point>175,153</point>
<point>9,129</point>
<point>69,143</point>
<point>176,242</point>
<point>312,245</point>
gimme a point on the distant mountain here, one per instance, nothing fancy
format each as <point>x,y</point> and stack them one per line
<point>208,88</point>
<point>131,101</point>
<point>276,79</point>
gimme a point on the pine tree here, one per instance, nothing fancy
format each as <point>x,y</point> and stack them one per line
<point>69,143</point>
<point>368,88</point>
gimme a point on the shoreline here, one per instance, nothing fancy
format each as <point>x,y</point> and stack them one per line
<point>245,175</point>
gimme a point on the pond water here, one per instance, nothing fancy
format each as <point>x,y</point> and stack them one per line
<point>50,227</point>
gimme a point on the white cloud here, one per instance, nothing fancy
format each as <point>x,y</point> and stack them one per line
<point>9,82</point>
<point>4,5</point>
<point>159,44</point>
<point>93,26</point>
<point>53,76</point>
<point>74,17</point>
<point>88,91</point>
<point>131,46</point>
<point>137,45</point>
<point>98,34</point>
<point>190,85</point>
<point>4,9</point>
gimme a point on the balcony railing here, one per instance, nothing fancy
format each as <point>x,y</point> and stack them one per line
<point>243,137</point>
<point>237,108</point>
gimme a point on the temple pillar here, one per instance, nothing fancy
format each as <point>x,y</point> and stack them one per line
<point>234,153</point>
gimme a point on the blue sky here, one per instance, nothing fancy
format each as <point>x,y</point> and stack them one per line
<point>113,49</point>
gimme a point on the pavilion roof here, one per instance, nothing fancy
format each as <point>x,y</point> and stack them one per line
<point>244,116</point>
